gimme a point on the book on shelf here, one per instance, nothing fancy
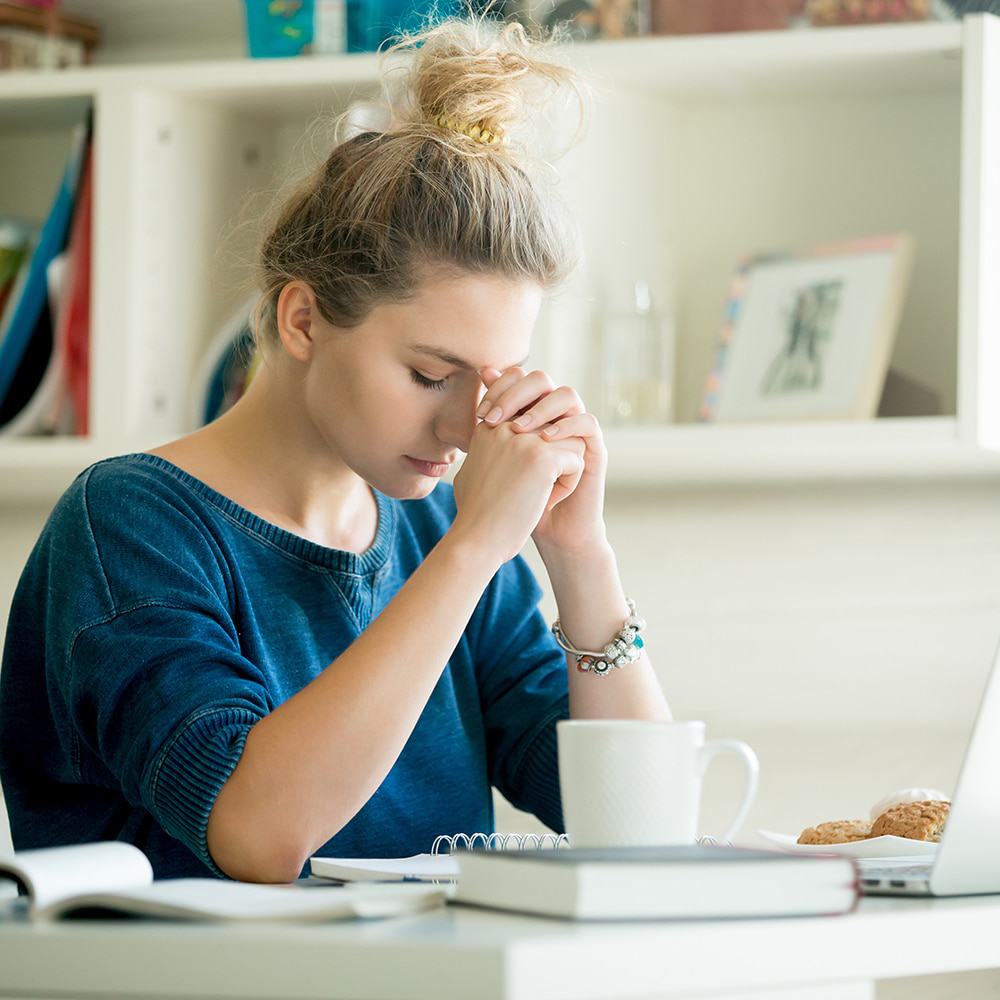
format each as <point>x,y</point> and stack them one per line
<point>46,311</point>
<point>39,371</point>
<point>15,236</point>
<point>695,882</point>
<point>71,407</point>
<point>115,878</point>
<point>226,369</point>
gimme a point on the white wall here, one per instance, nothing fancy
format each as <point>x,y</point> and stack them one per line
<point>845,631</point>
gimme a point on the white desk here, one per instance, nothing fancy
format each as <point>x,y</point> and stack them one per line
<point>471,954</point>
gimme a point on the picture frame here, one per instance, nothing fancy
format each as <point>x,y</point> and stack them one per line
<point>808,336</point>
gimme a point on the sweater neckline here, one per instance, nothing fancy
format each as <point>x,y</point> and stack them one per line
<point>340,560</point>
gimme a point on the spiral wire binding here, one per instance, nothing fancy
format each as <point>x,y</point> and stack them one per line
<point>444,844</point>
<point>498,841</point>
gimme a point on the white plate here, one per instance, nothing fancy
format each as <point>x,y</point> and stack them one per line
<point>874,847</point>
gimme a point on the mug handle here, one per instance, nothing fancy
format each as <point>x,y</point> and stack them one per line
<point>751,768</point>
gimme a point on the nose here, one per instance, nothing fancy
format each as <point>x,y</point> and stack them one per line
<point>456,420</point>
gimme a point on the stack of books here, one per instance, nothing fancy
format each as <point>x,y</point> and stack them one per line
<point>633,883</point>
<point>45,306</point>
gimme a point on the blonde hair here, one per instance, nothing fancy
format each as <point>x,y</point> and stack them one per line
<point>388,209</point>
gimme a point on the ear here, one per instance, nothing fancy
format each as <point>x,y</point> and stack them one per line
<point>296,310</point>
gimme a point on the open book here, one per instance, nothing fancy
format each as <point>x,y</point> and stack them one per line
<point>92,879</point>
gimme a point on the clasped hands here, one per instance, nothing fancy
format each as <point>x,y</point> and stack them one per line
<point>531,402</point>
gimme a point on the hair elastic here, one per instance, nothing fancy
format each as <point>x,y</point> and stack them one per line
<point>478,132</point>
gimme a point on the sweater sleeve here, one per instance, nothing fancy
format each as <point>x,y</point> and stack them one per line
<point>145,659</point>
<point>524,692</point>
<point>163,697</point>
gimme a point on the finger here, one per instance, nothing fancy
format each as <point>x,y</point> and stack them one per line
<point>586,429</point>
<point>559,403</point>
<point>565,485</point>
<point>569,462</point>
<point>583,425</point>
<point>496,389</point>
<point>519,395</point>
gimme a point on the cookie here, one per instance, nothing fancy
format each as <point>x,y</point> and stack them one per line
<point>839,831</point>
<point>915,820</point>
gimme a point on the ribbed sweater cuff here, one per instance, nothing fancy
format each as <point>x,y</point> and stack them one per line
<point>538,773</point>
<point>191,771</point>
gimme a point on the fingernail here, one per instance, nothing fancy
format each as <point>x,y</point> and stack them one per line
<point>523,420</point>
<point>550,431</point>
<point>494,415</point>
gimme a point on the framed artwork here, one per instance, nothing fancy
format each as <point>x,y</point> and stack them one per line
<point>809,336</point>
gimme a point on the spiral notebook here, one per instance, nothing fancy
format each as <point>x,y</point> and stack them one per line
<point>440,864</point>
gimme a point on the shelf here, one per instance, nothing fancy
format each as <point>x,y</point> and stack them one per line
<point>911,447</point>
<point>819,123</point>
<point>39,469</point>
<point>877,60</point>
<point>861,61</point>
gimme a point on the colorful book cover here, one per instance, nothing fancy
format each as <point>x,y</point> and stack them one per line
<point>22,318</point>
<point>73,324</point>
<point>14,239</point>
<point>227,367</point>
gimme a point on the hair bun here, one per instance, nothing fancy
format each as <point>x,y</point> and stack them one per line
<point>476,79</point>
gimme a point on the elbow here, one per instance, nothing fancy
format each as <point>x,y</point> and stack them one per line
<point>257,863</point>
<point>247,847</point>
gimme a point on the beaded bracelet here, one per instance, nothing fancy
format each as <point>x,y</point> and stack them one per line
<point>623,649</point>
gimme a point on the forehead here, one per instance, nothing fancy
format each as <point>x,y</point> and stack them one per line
<point>472,322</point>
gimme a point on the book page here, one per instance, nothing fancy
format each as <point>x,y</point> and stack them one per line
<point>213,899</point>
<point>51,873</point>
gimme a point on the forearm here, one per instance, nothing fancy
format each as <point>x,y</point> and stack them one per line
<point>311,764</point>
<point>592,607</point>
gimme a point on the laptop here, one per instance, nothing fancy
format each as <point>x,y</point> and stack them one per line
<point>967,861</point>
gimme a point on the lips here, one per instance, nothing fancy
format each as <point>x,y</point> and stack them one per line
<point>428,468</point>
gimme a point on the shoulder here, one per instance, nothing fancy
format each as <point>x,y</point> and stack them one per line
<point>125,493</point>
<point>138,526</point>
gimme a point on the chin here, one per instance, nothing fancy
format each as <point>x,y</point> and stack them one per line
<point>420,487</point>
<point>413,487</point>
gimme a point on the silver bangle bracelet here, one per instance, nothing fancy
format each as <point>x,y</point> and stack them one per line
<point>623,649</point>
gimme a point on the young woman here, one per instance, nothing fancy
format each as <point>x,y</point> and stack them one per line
<point>282,634</point>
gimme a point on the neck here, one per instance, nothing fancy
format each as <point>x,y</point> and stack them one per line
<point>291,474</point>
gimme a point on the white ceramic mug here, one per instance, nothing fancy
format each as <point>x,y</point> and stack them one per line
<point>633,783</point>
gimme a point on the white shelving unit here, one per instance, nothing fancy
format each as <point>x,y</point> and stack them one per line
<point>700,150</point>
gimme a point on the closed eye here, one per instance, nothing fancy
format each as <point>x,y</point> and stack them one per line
<point>427,383</point>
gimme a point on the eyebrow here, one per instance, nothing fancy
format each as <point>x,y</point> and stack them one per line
<point>450,359</point>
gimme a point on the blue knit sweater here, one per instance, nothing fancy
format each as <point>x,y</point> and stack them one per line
<point>156,621</point>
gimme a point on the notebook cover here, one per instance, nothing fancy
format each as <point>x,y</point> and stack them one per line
<point>682,854</point>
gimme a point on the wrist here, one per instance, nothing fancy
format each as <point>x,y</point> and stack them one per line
<point>584,554</point>
<point>570,562</point>
<point>470,548</point>
<point>589,595</point>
